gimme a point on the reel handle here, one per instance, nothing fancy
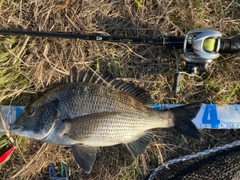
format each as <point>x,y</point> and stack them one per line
<point>176,82</point>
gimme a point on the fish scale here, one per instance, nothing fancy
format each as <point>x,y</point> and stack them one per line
<point>94,104</point>
<point>99,112</point>
<point>115,131</point>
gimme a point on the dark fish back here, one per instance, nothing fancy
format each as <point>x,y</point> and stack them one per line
<point>89,76</point>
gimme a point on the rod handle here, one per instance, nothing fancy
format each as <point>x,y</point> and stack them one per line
<point>230,45</point>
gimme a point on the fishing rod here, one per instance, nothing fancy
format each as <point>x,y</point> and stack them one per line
<point>199,47</point>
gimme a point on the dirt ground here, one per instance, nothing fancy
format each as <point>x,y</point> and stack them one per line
<point>31,64</point>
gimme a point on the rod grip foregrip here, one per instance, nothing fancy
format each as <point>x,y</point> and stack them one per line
<point>173,42</point>
<point>230,45</point>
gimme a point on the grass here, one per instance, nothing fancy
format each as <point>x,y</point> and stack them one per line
<point>116,66</point>
<point>31,64</point>
<point>12,81</point>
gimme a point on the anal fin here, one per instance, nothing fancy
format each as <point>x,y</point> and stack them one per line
<point>84,156</point>
<point>139,145</point>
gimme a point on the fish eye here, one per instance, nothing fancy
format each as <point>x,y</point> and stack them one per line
<point>30,111</point>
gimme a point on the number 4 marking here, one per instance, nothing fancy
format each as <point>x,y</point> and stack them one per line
<point>210,116</point>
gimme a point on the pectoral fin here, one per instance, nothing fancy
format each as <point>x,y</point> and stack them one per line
<point>139,145</point>
<point>84,156</point>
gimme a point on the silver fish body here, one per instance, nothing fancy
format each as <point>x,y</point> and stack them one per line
<point>105,118</point>
<point>86,115</point>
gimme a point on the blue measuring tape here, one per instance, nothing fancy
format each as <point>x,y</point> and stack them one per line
<point>210,116</point>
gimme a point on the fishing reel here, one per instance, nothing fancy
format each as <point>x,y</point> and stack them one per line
<point>200,48</point>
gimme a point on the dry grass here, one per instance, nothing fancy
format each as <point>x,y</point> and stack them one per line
<point>37,63</point>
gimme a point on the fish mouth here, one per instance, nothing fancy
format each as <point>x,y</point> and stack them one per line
<point>15,127</point>
<point>20,130</point>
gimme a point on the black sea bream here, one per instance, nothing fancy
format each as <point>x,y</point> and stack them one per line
<point>98,111</point>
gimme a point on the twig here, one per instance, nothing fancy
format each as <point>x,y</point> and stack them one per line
<point>39,153</point>
<point>22,49</point>
<point>5,129</point>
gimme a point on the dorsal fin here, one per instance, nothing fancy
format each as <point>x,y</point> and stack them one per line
<point>130,88</point>
<point>92,77</point>
<point>83,76</point>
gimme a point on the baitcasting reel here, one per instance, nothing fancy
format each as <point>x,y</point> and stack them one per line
<point>200,48</point>
<point>204,48</point>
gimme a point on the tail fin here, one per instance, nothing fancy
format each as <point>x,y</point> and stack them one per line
<point>182,119</point>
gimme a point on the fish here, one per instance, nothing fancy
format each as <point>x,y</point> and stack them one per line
<point>92,111</point>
